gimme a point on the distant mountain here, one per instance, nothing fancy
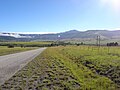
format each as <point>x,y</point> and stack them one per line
<point>72,34</point>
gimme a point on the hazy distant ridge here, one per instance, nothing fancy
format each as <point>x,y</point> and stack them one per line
<point>60,36</point>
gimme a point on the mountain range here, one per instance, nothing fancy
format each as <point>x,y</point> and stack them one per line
<point>72,34</point>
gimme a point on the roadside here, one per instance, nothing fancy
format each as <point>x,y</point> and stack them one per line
<point>10,64</point>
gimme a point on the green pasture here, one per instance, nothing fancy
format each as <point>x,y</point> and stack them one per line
<point>91,41</point>
<point>4,50</point>
<point>27,44</point>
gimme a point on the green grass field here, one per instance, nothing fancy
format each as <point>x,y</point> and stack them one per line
<point>27,44</point>
<point>70,68</point>
<point>5,50</point>
<point>90,41</point>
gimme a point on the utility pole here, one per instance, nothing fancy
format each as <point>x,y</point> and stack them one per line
<point>98,40</point>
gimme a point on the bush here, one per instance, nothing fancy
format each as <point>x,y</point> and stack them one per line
<point>10,46</point>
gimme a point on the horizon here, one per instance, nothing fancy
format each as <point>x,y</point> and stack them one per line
<point>53,32</point>
<point>59,16</point>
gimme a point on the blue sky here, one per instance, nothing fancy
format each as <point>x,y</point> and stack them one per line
<point>58,15</point>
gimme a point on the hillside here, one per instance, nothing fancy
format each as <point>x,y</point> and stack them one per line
<point>72,34</point>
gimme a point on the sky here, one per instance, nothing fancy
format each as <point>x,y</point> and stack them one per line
<point>59,15</point>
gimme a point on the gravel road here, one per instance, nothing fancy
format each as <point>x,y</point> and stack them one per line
<point>10,64</point>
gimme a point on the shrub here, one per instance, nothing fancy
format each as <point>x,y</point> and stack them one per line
<point>10,46</point>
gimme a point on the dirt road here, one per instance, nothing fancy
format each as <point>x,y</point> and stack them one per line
<point>10,64</point>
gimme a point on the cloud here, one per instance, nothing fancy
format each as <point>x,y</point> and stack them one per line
<point>16,35</point>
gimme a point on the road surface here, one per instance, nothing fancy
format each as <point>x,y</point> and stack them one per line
<point>10,64</point>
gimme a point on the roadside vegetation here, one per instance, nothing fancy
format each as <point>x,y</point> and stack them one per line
<point>4,50</point>
<point>15,47</point>
<point>39,44</point>
<point>27,44</point>
<point>70,68</point>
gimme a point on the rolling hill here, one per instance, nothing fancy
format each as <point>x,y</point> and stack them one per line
<point>72,34</point>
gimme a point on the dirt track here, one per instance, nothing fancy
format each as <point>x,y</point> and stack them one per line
<point>10,64</point>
